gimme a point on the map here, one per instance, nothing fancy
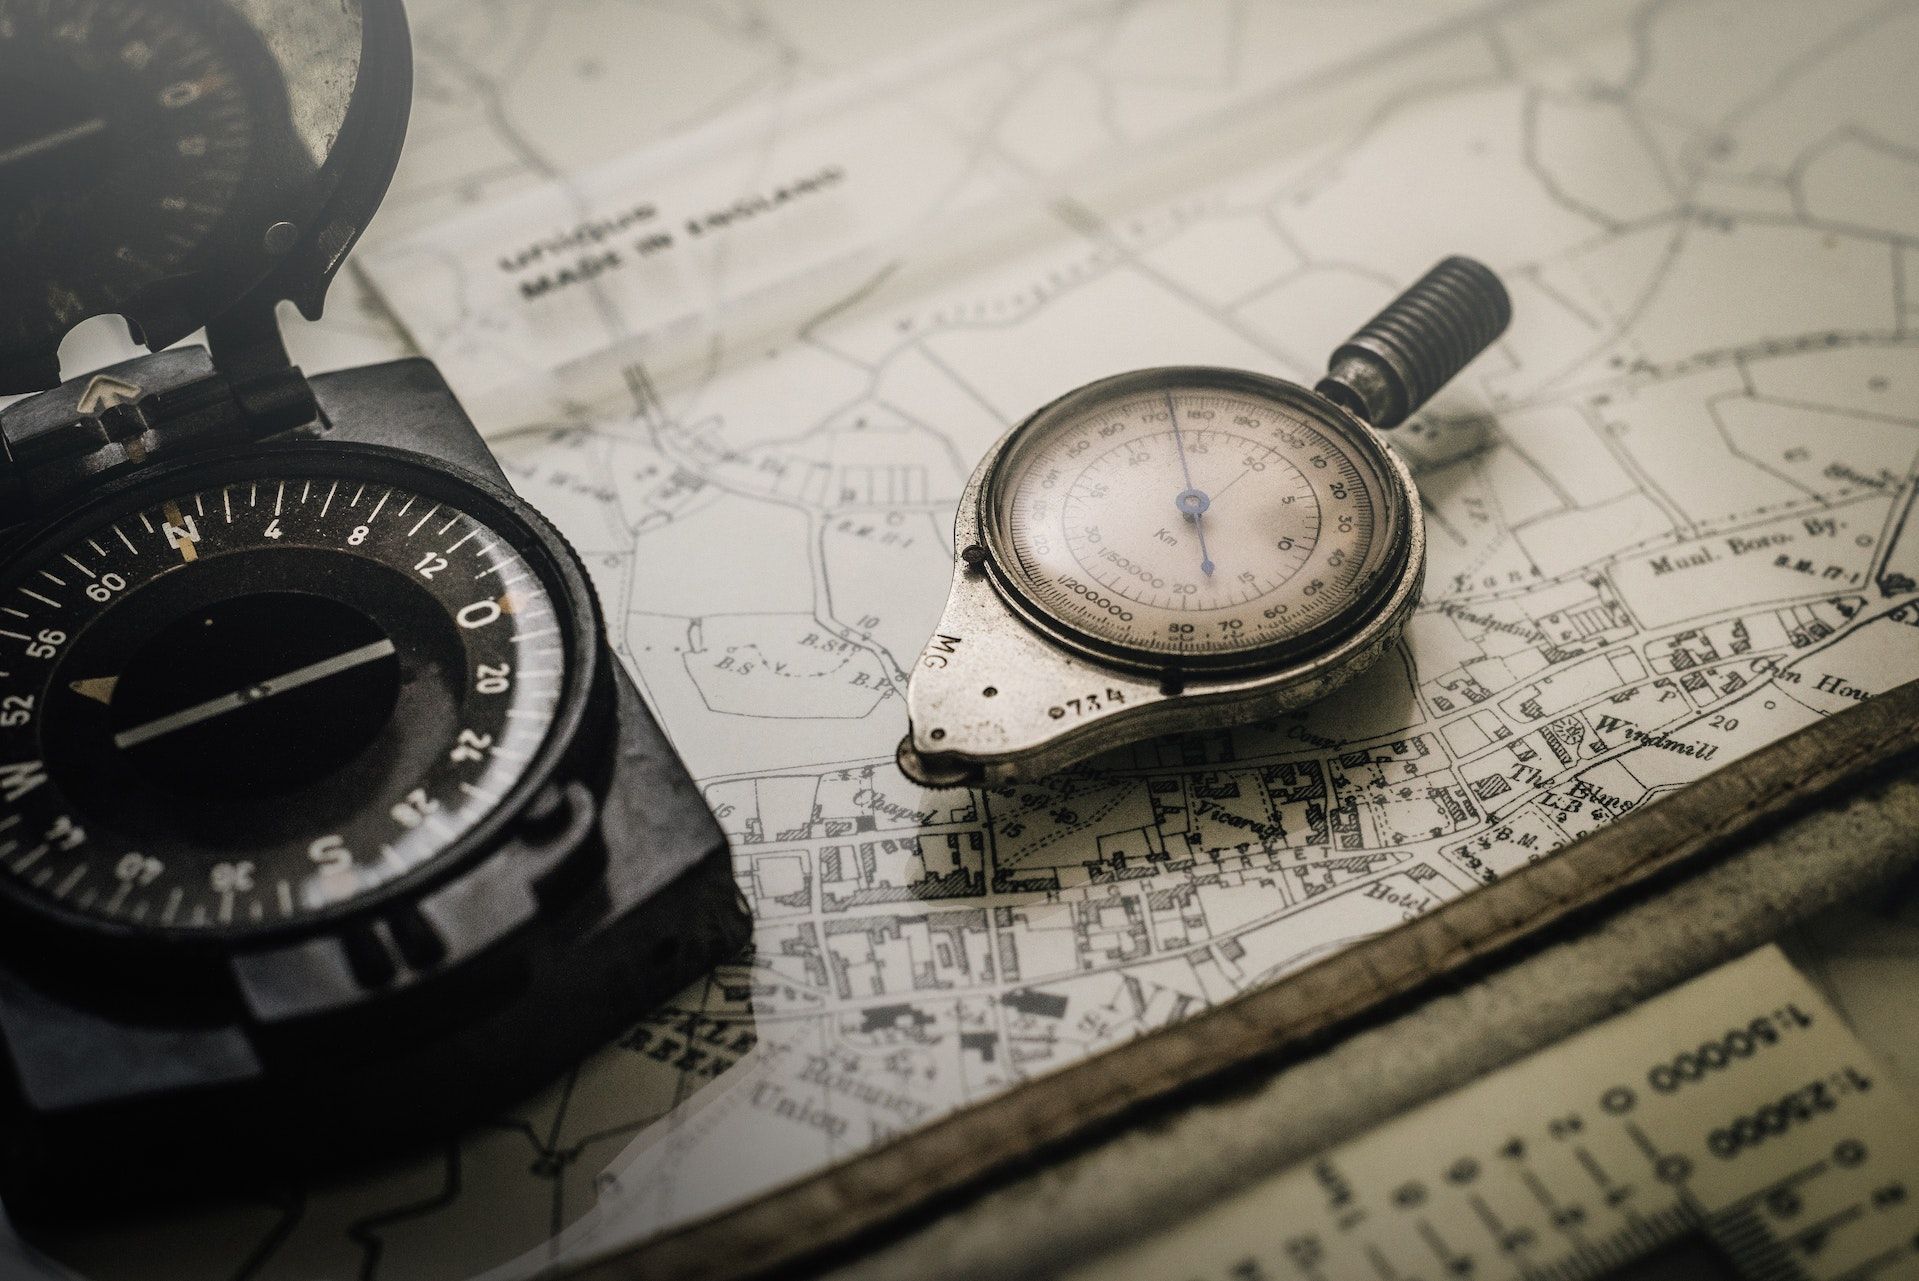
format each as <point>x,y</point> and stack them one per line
<point>1669,512</point>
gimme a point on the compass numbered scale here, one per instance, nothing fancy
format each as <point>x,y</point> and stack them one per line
<point>170,653</point>
<point>328,818</point>
<point>1173,548</point>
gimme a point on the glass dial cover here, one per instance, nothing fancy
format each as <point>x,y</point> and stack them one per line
<point>1195,518</point>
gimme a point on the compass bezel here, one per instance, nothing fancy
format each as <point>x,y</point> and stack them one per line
<point>1388,559</point>
<point>574,737</point>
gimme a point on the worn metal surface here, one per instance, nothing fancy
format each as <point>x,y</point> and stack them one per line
<point>1051,1172</point>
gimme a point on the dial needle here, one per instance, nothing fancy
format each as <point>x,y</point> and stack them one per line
<point>253,693</point>
<point>58,138</point>
<point>1190,502</point>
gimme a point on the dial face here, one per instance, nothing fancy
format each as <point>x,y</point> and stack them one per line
<point>1195,516</point>
<point>238,705</point>
<point>128,130</point>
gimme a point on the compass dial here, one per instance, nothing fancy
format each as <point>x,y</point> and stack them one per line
<point>244,699</point>
<point>1196,516</point>
<point>128,132</point>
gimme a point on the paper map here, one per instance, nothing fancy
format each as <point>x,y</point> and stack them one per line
<point>1668,512</point>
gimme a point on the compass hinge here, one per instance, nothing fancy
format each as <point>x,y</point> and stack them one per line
<point>248,351</point>
<point>274,402</point>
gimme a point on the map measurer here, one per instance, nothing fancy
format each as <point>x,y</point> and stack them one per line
<point>327,815</point>
<point>1174,548</point>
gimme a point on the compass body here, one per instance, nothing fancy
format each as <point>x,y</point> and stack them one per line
<point>327,817</point>
<point>1180,548</point>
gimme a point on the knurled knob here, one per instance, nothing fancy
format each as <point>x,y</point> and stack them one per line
<point>1399,358</point>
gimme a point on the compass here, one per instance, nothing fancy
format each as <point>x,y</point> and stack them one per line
<point>282,693</point>
<point>328,818</point>
<point>1172,548</point>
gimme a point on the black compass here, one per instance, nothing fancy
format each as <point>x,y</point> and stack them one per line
<point>327,815</point>
<point>277,695</point>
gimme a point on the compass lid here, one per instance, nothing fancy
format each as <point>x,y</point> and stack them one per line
<point>178,162</point>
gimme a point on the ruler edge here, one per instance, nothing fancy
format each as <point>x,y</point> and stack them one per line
<point>1686,1207</point>
<point>831,1214</point>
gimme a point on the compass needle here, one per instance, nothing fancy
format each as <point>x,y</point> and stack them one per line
<point>1189,502</point>
<point>253,693</point>
<point>51,141</point>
